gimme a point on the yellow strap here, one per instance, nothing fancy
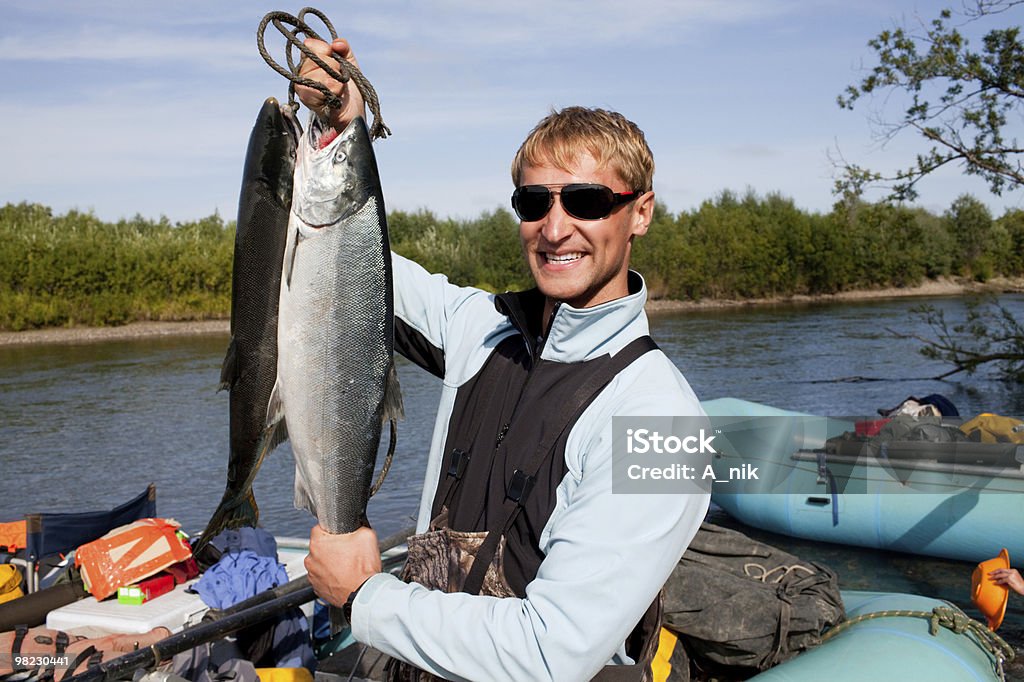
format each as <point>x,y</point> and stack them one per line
<point>284,675</point>
<point>660,666</point>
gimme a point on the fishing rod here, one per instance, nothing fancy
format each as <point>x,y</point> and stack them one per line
<point>249,612</point>
<point>192,637</point>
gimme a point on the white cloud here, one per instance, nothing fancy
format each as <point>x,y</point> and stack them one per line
<point>105,44</point>
<point>533,25</point>
<point>146,106</point>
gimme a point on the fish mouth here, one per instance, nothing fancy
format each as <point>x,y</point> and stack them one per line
<point>337,179</point>
<point>321,133</point>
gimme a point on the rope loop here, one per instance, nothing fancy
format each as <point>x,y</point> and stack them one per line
<point>948,617</point>
<point>291,27</point>
<point>951,619</point>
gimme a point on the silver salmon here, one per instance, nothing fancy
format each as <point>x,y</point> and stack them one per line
<point>250,368</point>
<point>336,380</point>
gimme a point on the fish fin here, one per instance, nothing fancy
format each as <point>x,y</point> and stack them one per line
<point>274,435</point>
<point>337,620</point>
<point>276,430</point>
<point>275,407</point>
<point>229,370</point>
<point>233,512</point>
<point>393,408</point>
<point>289,259</point>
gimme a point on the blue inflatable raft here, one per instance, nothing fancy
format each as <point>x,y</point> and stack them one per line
<point>956,501</point>
<point>896,647</point>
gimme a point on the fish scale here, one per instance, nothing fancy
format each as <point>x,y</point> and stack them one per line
<point>336,381</point>
<point>250,368</point>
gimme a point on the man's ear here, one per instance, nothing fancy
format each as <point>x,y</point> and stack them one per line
<point>643,213</point>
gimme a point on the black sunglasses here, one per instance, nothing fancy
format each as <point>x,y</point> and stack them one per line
<point>582,201</point>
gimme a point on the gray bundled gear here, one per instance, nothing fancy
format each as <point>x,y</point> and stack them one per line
<point>741,606</point>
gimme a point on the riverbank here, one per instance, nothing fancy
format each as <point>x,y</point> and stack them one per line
<point>136,330</point>
<point>943,286</point>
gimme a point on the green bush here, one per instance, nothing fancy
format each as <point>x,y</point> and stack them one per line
<point>74,269</point>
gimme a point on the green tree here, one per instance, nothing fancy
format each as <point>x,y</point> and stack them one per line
<point>989,333</point>
<point>969,222</point>
<point>1011,261</point>
<point>659,255</point>
<point>964,102</point>
<point>495,255</point>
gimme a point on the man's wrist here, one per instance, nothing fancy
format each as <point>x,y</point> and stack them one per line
<point>346,608</point>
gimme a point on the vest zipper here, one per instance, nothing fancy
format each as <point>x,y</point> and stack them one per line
<point>501,434</point>
<point>536,358</point>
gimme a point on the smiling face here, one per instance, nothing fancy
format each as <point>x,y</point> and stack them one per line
<point>582,262</point>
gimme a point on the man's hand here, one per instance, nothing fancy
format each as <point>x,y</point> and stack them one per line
<point>1010,577</point>
<point>338,564</point>
<point>351,100</point>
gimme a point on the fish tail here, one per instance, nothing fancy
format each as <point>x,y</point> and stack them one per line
<point>233,512</point>
<point>393,407</point>
<point>229,369</point>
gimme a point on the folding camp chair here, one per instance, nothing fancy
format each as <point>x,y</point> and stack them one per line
<point>48,534</point>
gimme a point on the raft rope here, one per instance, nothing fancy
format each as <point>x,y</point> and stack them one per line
<point>344,72</point>
<point>950,618</point>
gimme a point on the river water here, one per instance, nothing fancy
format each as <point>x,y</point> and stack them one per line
<point>86,426</point>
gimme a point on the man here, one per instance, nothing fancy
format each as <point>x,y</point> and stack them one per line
<point>519,476</point>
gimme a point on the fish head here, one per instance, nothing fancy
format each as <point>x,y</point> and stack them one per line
<point>270,158</point>
<point>292,133</point>
<point>335,181</point>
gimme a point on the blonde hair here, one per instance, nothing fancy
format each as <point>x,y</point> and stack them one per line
<point>613,140</point>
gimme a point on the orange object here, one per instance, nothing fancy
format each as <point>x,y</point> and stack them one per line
<point>130,553</point>
<point>989,597</point>
<point>12,535</point>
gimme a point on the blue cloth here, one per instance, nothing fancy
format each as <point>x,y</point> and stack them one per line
<point>248,566</point>
<point>293,645</point>
<point>256,539</point>
<point>237,577</point>
<point>945,406</point>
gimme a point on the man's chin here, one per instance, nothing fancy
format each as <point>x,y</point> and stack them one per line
<point>559,293</point>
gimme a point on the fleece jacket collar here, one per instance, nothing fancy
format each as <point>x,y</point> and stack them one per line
<point>577,334</point>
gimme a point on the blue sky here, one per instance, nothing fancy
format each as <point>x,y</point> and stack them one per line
<point>121,107</point>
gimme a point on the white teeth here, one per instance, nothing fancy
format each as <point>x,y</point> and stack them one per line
<point>564,258</point>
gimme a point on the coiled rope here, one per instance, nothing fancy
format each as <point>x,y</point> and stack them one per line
<point>343,72</point>
<point>948,617</point>
<point>761,573</point>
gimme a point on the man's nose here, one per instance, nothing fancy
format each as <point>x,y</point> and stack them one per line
<point>557,224</point>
